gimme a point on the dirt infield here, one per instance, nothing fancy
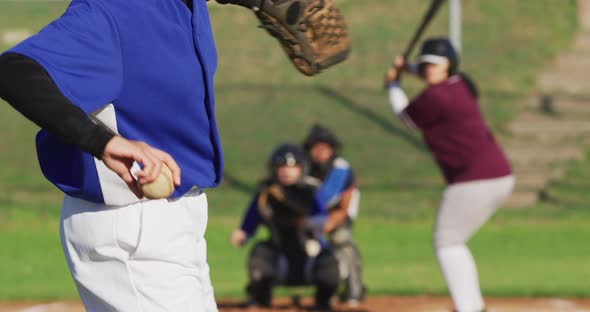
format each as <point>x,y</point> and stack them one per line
<point>373,304</point>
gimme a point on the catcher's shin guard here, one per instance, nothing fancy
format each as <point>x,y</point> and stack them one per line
<point>262,271</point>
<point>326,278</point>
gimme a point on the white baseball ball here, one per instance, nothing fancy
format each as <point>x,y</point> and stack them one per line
<point>161,187</point>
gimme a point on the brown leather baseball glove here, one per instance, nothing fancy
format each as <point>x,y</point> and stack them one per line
<point>312,32</point>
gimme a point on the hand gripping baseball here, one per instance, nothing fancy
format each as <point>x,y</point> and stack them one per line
<point>120,154</point>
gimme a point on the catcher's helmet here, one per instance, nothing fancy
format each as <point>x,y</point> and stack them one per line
<point>435,49</point>
<point>320,134</point>
<point>286,155</point>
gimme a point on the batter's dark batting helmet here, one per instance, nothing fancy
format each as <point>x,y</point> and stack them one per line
<point>435,50</point>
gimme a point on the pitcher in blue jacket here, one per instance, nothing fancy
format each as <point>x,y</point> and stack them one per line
<point>116,85</point>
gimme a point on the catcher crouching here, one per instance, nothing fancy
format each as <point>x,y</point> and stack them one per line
<point>295,254</point>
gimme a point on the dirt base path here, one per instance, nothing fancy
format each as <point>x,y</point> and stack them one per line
<point>373,304</point>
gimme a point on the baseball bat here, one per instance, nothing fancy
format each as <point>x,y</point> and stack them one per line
<point>432,10</point>
<point>428,17</point>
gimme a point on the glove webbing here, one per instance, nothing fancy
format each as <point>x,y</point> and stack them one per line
<point>274,28</point>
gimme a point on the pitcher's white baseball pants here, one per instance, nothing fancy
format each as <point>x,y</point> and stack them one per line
<point>147,256</point>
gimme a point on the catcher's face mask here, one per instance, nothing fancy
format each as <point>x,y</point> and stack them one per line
<point>288,175</point>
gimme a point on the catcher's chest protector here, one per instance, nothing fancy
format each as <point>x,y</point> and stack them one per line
<point>282,205</point>
<point>282,208</point>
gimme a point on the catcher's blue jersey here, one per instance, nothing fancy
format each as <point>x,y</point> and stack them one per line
<point>154,60</point>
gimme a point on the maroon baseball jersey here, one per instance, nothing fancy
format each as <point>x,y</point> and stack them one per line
<point>453,127</point>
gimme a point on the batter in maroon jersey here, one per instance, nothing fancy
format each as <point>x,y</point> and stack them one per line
<point>476,170</point>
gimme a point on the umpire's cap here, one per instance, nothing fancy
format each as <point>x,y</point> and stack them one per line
<point>320,134</point>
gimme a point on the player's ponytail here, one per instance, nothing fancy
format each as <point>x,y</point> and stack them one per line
<point>473,89</point>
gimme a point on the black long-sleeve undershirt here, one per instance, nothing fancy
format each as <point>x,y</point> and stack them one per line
<point>27,87</point>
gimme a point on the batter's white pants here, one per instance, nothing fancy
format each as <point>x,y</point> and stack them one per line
<point>464,208</point>
<point>147,256</point>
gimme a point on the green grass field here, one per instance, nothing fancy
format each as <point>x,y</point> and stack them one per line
<point>516,256</point>
<point>262,101</point>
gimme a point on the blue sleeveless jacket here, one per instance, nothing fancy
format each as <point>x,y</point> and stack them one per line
<point>144,68</point>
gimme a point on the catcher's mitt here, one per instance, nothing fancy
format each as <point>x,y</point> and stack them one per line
<point>312,32</point>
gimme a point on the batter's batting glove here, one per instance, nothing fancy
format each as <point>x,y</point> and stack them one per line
<point>312,32</point>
